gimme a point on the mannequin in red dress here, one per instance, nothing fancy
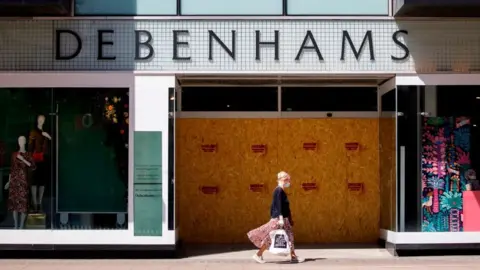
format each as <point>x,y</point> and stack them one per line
<point>38,147</point>
<point>18,184</point>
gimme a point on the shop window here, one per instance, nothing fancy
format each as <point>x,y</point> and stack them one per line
<point>239,99</point>
<point>340,7</point>
<point>231,7</point>
<point>450,153</point>
<point>329,99</point>
<point>125,7</point>
<point>64,158</point>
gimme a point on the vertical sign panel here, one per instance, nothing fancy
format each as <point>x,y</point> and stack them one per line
<point>147,203</point>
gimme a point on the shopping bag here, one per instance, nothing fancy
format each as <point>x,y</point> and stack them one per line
<point>280,243</point>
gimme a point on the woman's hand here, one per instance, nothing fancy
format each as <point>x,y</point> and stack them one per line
<point>281,223</point>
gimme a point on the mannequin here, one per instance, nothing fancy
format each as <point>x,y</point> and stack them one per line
<point>472,182</point>
<point>38,147</point>
<point>17,183</point>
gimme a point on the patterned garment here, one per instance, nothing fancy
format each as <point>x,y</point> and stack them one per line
<point>445,172</point>
<point>261,235</point>
<point>18,187</point>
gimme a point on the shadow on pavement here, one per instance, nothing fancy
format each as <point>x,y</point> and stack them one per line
<point>307,260</point>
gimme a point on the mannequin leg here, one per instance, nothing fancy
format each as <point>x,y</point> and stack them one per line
<point>15,219</point>
<point>34,197</point>
<point>41,190</point>
<point>23,217</point>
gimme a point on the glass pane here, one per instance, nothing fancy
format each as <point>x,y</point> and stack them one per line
<point>231,7</point>
<point>409,184</point>
<point>388,176</point>
<point>341,7</point>
<point>92,158</point>
<point>229,99</point>
<point>450,154</point>
<point>125,7</point>
<point>326,99</point>
<point>26,141</point>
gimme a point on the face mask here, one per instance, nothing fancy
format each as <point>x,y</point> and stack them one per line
<point>286,185</point>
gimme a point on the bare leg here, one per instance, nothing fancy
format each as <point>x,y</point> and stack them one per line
<point>292,253</point>
<point>15,219</point>
<point>41,190</point>
<point>261,251</point>
<point>295,258</point>
<point>23,216</point>
<point>34,196</point>
<point>258,257</point>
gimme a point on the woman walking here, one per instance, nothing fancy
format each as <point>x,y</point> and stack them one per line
<point>280,218</point>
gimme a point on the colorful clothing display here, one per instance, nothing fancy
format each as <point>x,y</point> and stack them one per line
<point>445,161</point>
<point>18,187</point>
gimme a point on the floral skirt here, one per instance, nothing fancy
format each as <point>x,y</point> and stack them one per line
<point>261,236</point>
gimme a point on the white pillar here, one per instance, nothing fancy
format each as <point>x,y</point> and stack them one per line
<point>150,106</point>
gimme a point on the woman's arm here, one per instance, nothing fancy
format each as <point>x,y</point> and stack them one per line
<point>277,198</point>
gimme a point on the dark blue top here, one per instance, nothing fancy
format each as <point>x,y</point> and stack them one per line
<point>280,204</point>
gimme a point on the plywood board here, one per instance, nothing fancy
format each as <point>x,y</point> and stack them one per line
<point>326,215</point>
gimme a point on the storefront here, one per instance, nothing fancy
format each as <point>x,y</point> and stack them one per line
<point>73,189</point>
<point>435,122</point>
<point>113,131</point>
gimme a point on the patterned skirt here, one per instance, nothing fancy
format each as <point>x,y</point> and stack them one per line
<point>261,236</point>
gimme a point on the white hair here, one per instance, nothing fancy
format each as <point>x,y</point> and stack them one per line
<point>282,176</point>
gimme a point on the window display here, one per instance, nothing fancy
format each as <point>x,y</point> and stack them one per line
<point>438,146</point>
<point>64,158</point>
<point>445,165</point>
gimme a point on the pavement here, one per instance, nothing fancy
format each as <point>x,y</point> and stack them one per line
<point>345,258</point>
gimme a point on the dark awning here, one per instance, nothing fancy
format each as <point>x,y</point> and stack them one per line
<point>437,8</point>
<point>30,8</point>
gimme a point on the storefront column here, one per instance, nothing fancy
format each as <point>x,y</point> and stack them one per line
<point>149,168</point>
<point>431,100</point>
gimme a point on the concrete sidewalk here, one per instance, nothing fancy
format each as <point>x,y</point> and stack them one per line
<point>370,264</point>
<point>371,259</point>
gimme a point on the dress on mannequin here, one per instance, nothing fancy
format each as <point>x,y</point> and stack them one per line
<point>37,144</point>
<point>38,147</point>
<point>18,184</point>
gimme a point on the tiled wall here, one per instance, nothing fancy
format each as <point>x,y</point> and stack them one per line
<point>443,46</point>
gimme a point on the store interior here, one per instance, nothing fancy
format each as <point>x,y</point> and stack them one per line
<point>64,158</point>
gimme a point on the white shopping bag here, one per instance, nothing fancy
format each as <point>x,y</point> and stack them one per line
<point>280,243</point>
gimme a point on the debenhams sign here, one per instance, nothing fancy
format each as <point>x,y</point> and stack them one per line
<point>144,41</point>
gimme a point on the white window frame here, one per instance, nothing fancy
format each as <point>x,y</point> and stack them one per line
<point>81,237</point>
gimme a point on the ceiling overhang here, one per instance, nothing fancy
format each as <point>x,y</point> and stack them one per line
<point>437,8</point>
<point>266,80</point>
<point>35,8</point>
